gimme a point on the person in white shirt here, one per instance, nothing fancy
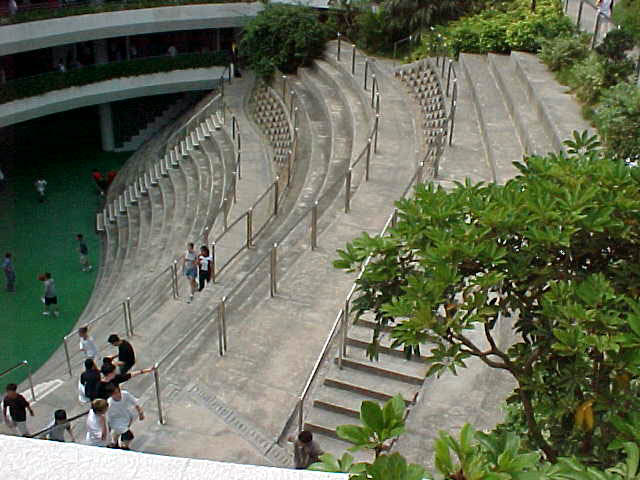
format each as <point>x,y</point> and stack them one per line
<point>190,269</point>
<point>120,416</point>
<point>87,344</point>
<point>41,185</point>
<point>204,265</point>
<point>97,431</point>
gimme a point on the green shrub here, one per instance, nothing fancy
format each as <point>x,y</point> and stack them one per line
<point>374,31</point>
<point>48,82</point>
<point>626,13</point>
<point>563,52</point>
<point>283,37</point>
<point>615,44</point>
<point>510,26</point>
<point>617,117</point>
<point>591,76</point>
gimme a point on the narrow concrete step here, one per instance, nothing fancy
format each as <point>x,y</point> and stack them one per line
<point>337,447</point>
<point>498,132</point>
<point>325,421</point>
<point>530,131</point>
<point>398,364</point>
<point>382,370</point>
<point>557,110</point>
<point>360,336</point>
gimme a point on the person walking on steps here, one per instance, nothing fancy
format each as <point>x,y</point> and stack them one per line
<point>83,250</point>
<point>305,450</point>
<point>126,355</point>
<point>120,416</point>
<point>50,298</point>
<point>190,269</point>
<point>17,406</point>
<point>205,263</point>
<point>9,272</point>
<point>41,185</point>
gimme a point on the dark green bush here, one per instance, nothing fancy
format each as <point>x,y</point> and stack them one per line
<point>48,82</point>
<point>374,31</point>
<point>626,13</point>
<point>615,44</point>
<point>617,117</point>
<point>595,73</point>
<point>563,52</point>
<point>283,37</point>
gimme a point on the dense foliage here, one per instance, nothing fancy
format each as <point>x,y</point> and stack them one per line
<point>617,117</point>
<point>551,255</point>
<point>282,37</point>
<point>500,28</point>
<point>48,82</point>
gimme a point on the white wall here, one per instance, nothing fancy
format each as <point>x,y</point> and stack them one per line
<point>108,91</point>
<point>26,459</point>
<point>26,36</point>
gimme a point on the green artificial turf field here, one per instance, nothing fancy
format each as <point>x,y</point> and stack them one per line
<point>63,149</point>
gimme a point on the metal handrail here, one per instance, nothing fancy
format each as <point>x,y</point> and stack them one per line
<point>48,429</point>
<point>23,363</point>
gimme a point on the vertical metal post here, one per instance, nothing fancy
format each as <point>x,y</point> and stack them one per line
<point>345,323</point>
<point>295,118</point>
<point>129,315</point>
<point>66,353</point>
<point>368,161</point>
<point>300,413</point>
<point>220,315</point>
<point>221,81</point>
<point>33,392</point>
<point>419,178</point>
<point>233,127</point>
<point>339,35</point>
<point>213,260</point>
<point>276,194</point>
<point>451,124</point>
<point>394,218</point>
<point>289,166</point>
<point>274,279</point>
<point>366,72</point>
<point>595,30</point>
<point>239,162</point>
<point>249,227</point>
<point>224,323</point>
<point>314,226</point>
<point>225,208</point>
<point>373,88</point>
<point>235,187</point>
<point>378,102</point>
<point>353,59</point>
<point>340,339</point>
<point>284,88</point>
<point>239,146</point>
<point>175,278</point>
<point>291,94</point>
<point>449,75</point>
<point>156,382</point>
<point>443,63</point>
<point>124,317</point>
<point>375,133</point>
<point>347,192</point>
<point>579,13</point>
<point>230,72</point>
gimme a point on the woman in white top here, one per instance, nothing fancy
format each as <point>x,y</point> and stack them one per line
<point>204,265</point>
<point>97,431</point>
<point>190,269</point>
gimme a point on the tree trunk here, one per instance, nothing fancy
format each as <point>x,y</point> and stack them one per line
<point>534,429</point>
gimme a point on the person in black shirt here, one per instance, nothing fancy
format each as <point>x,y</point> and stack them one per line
<point>18,406</point>
<point>110,378</point>
<point>126,355</point>
<point>90,379</point>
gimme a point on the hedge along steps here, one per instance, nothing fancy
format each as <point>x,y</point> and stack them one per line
<point>556,109</point>
<point>531,133</point>
<point>499,138</point>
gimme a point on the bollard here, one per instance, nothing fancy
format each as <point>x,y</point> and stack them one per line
<point>274,280</point>
<point>596,28</point>
<point>353,59</point>
<point>249,227</point>
<point>129,315</point>
<point>347,192</point>
<point>368,160</point>
<point>276,194</point>
<point>124,317</point>
<point>300,413</point>
<point>339,35</point>
<point>213,261</point>
<point>33,392</point>
<point>579,13</point>
<point>156,382</point>
<point>373,88</point>
<point>375,133</point>
<point>314,226</point>
<point>366,71</point>
<point>66,354</point>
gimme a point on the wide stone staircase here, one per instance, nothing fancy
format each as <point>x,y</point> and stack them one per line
<point>278,293</point>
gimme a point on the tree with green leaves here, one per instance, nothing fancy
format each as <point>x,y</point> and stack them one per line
<point>552,256</point>
<point>282,37</point>
<point>411,16</point>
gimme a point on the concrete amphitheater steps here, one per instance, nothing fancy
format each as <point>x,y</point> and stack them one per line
<point>265,335</point>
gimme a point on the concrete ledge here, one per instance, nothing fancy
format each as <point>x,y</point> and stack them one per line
<point>108,91</point>
<point>27,36</point>
<point>25,459</point>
